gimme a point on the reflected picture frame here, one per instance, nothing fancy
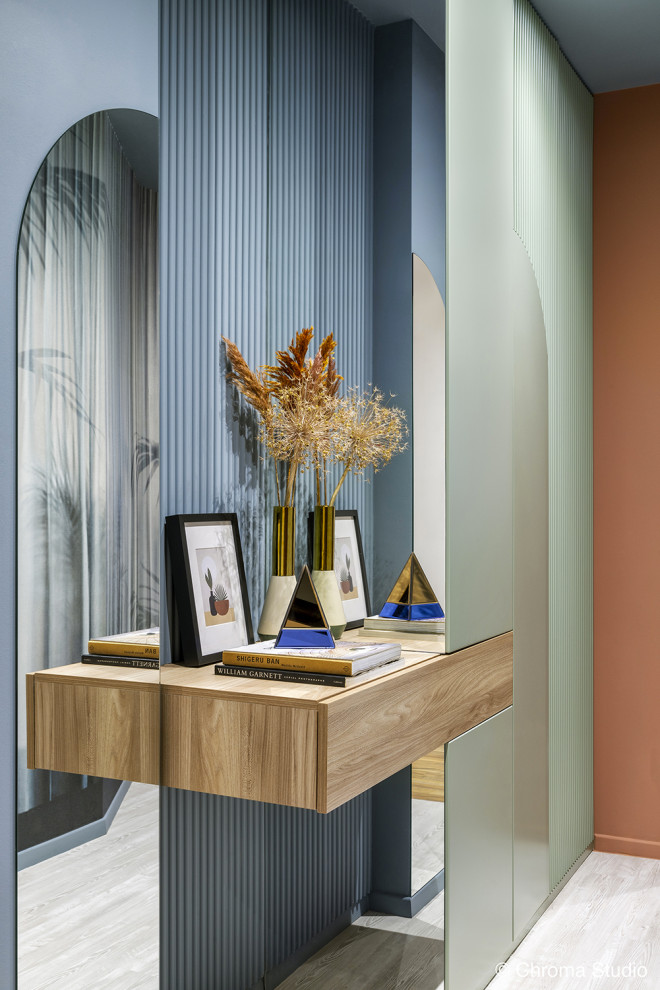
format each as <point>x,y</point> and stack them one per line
<point>207,598</point>
<point>354,593</point>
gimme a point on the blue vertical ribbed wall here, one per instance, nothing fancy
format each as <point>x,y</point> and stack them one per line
<point>320,195</point>
<point>214,222</point>
<point>553,217</point>
<point>266,120</point>
<point>266,134</point>
<point>246,887</point>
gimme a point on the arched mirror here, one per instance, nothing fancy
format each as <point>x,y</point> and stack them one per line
<point>87,554</point>
<point>428,342</point>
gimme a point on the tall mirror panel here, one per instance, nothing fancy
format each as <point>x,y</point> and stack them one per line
<point>88,560</point>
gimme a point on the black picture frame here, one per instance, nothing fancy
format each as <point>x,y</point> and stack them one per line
<point>364,603</point>
<point>194,546</point>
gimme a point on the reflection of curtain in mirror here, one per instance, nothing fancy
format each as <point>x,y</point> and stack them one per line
<point>87,410</point>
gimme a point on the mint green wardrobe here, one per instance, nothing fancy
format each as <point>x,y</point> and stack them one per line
<point>518,462</point>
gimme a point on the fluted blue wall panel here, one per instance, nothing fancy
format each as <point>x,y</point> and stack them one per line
<point>319,870</point>
<point>266,129</point>
<point>266,227</point>
<point>320,194</point>
<point>213,892</point>
<point>214,167</point>
<point>245,885</point>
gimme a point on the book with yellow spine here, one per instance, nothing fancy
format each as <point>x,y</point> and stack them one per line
<point>347,658</point>
<point>141,643</point>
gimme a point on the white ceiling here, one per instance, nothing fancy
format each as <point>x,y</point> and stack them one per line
<point>429,14</point>
<point>612,44</point>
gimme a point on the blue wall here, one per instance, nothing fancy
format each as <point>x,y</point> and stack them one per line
<point>266,119</point>
<point>60,62</point>
<point>265,228</point>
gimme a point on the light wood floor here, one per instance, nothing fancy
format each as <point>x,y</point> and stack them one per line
<point>380,952</point>
<point>605,919</point>
<point>88,919</point>
<point>428,841</point>
<point>76,932</point>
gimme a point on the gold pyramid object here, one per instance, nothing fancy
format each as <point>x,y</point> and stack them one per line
<point>305,625</point>
<point>412,596</point>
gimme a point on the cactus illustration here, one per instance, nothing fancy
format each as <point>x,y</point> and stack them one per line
<point>221,599</point>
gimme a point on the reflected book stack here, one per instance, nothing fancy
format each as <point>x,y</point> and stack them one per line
<point>435,627</point>
<point>140,648</point>
<point>346,665</point>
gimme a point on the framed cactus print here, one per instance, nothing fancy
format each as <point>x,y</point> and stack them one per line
<point>208,604</point>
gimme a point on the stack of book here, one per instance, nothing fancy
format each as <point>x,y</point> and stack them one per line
<point>132,649</point>
<point>346,665</point>
<point>426,627</point>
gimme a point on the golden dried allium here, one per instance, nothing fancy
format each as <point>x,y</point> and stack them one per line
<point>296,399</point>
<point>367,433</point>
<point>297,429</point>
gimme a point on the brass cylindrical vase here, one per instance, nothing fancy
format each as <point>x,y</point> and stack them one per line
<point>284,540</point>
<point>323,556</point>
<point>323,573</point>
<point>283,579</point>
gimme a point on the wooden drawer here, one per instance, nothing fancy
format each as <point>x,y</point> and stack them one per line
<point>242,749</point>
<point>105,727</point>
<point>371,732</point>
<point>301,745</point>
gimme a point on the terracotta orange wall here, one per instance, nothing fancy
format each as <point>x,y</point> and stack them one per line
<point>627,471</point>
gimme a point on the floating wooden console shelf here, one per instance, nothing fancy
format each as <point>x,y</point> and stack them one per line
<point>292,744</point>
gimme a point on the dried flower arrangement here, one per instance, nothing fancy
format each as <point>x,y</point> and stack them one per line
<point>367,433</point>
<point>305,423</point>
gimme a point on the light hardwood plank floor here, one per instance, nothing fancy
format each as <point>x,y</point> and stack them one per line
<point>602,932</point>
<point>428,840</point>
<point>380,952</point>
<point>88,918</point>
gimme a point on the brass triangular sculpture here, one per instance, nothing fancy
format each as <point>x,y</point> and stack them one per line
<point>412,596</point>
<point>305,625</point>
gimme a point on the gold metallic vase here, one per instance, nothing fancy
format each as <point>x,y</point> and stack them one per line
<point>282,583</point>
<point>284,540</point>
<point>323,574</point>
<point>323,558</point>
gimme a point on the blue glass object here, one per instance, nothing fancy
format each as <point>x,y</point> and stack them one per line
<point>412,597</point>
<point>302,639</point>
<point>305,625</point>
<point>425,610</point>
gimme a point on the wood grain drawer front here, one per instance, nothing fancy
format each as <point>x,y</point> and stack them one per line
<point>98,730</point>
<point>371,732</point>
<point>240,749</point>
